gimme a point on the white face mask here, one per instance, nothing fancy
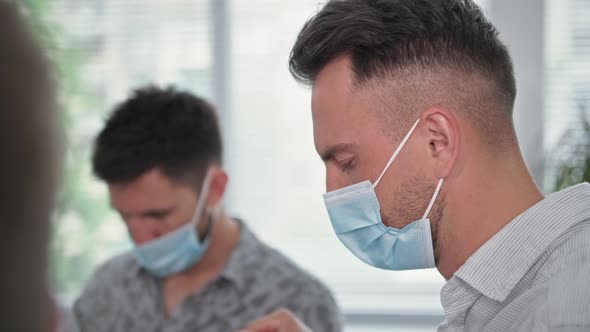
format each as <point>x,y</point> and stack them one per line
<point>180,249</point>
<point>355,215</point>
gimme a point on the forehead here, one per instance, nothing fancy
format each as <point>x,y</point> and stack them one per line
<point>343,113</point>
<point>151,190</point>
<point>333,87</point>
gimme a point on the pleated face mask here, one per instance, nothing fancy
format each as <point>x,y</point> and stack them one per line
<point>181,248</point>
<point>355,215</point>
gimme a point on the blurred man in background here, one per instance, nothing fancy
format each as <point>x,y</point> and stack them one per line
<point>28,172</point>
<point>193,268</point>
<point>412,107</point>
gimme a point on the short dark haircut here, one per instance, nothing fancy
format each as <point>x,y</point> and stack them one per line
<point>383,37</point>
<point>28,171</point>
<point>166,129</point>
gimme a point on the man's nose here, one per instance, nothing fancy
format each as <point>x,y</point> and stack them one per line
<point>142,231</point>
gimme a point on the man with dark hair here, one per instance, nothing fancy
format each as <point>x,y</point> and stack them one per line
<point>412,106</point>
<point>29,163</point>
<point>193,267</point>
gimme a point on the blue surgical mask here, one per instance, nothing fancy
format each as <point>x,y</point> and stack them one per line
<point>180,249</point>
<point>354,213</point>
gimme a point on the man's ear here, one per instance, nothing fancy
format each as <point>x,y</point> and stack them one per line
<point>218,188</point>
<point>443,137</point>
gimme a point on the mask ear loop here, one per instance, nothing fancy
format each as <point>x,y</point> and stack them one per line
<point>396,153</point>
<point>203,196</point>
<point>436,192</point>
<point>213,217</point>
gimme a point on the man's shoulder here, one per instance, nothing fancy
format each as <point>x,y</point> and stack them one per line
<point>118,266</point>
<point>100,300</point>
<point>560,303</point>
<point>555,293</point>
<point>566,286</point>
<point>274,267</point>
<point>569,250</point>
<point>112,273</point>
<point>568,297</point>
<point>291,286</point>
<point>569,259</point>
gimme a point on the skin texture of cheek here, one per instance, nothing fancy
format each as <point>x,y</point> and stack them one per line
<point>408,203</point>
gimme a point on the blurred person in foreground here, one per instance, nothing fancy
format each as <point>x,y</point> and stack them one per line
<point>29,162</point>
<point>193,267</point>
<point>412,104</point>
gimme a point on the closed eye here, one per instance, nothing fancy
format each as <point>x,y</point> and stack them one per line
<point>343,156</point>
<point>347,164</point>
<point>157,214</point>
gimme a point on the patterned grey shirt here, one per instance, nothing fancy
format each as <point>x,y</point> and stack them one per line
<point>257,280</point>
<point>533,275</point>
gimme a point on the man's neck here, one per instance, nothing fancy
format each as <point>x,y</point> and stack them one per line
<point>225,235</point>
<point>479,206</point>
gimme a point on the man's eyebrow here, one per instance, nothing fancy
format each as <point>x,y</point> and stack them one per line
<point>329,153</point>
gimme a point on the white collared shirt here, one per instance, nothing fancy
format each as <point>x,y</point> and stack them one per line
<point>533,275</point>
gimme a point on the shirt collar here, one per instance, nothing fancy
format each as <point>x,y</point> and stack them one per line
<point>496,267</point>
